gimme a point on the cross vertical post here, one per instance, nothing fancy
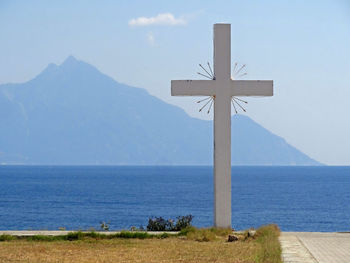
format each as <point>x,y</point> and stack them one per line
<point>222,126</point>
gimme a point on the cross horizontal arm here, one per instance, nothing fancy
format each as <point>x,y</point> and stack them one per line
<point>252,88</point>
<point>192,87</point>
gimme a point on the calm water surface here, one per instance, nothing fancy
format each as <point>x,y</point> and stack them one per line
<point>49,197</point>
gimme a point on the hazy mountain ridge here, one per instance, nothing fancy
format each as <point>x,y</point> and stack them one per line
<point>74,114</point>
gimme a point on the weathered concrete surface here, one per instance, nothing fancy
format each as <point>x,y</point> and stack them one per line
<point>293,251</point>
<point>315,247</point>
<point>62,233</point>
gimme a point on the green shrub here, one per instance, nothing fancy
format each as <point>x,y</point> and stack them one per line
<point>162,224</point>
<point>6,237</point>
<point>75,236</point>
<point>183,222</point>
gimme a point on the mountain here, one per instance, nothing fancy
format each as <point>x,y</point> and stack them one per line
<point>73,114</point>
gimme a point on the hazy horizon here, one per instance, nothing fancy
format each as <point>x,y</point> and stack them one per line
<point>302,46</point>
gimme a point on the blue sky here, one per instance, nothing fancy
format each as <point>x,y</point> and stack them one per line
<point>304,46</point>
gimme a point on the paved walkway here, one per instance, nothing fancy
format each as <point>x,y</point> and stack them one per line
<point>307,247</point>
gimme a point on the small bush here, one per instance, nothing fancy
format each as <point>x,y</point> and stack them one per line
<point>162,224</point>
<point>183,222</point>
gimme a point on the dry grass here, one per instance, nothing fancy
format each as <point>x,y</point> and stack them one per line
<point>172,249</point>
<point>207,234</point>
<point>270,249</point>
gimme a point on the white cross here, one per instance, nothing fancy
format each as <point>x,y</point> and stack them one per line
<point>222,88</point>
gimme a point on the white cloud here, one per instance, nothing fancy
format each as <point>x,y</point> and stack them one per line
<point>165,19</point>
<point>150,39</point>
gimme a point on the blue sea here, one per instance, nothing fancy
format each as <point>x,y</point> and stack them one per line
<point>80,197</point>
